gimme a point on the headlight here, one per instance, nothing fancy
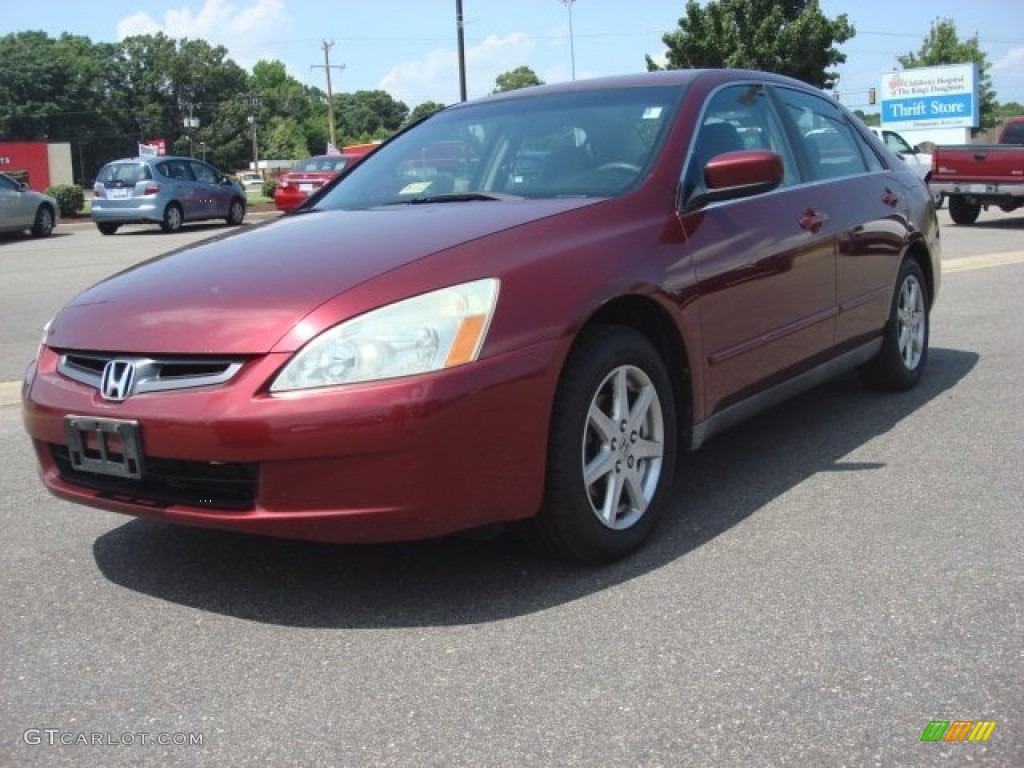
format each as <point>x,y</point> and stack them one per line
<point>437,330</point>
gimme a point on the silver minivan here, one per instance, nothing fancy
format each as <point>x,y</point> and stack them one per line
<point>168,191</point>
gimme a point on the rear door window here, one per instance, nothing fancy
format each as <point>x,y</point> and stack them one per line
<point>831,147</point>
<point>203,173</point>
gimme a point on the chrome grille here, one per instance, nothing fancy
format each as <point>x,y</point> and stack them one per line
<point>152,374</point>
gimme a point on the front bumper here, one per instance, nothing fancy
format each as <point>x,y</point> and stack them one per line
<point>403,459</point>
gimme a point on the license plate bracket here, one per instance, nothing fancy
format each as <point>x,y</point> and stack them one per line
<point>105,446</point>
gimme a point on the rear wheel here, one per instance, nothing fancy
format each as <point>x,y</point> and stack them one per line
<point>900,362</point>
<point>43,224</point>
<point>963,212</point>
<point>172,218</point>
<point>107,229</point>
<point>611,450</point>
<point>236,212</point>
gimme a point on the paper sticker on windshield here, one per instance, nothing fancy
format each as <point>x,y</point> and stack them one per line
<point>652,113</point>
<point>415,188</point>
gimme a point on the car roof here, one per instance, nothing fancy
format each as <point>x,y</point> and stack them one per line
<point>678,77</point>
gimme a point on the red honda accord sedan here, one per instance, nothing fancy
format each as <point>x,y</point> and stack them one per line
<point>514,312</point>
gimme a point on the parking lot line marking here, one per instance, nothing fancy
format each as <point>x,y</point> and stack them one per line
<point>10,392</point>
<point>983,261</point>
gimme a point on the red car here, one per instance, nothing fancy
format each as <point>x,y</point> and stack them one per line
<point>614,270</point>
<point>307,177</point>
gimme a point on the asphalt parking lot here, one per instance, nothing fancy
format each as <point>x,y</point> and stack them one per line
<point>834,575</point>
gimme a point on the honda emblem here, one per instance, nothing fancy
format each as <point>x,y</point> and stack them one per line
<point>118,380</point>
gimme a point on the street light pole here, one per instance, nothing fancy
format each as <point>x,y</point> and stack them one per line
<point>254,103</point>
<point>462,49</point>
<point>572,46</point>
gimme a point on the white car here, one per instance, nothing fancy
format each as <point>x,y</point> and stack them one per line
<point>250,180</point>
<point>22,209</point>
<point>920,161</point>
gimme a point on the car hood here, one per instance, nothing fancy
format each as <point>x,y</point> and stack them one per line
<point>240,294</point>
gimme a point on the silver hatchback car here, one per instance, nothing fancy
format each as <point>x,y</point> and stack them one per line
<point>164,190</point>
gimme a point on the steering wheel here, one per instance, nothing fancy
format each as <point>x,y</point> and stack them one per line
<point>619,166</point>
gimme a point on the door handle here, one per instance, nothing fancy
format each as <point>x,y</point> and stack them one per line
<point>812,221</point>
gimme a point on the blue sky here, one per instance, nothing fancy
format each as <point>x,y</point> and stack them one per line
<point>408,47</point>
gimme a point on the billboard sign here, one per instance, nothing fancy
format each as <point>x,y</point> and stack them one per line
<point>930,97</point>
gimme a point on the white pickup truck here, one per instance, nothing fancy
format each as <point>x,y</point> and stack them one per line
<point>920,161</point>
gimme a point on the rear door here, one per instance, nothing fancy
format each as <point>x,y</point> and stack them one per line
<point>868,207</point>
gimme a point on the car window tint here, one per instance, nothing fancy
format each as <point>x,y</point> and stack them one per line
<point>831,147</point>
<point>737,118</point>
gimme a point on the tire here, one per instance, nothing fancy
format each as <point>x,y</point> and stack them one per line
<point>631,460</point>
<point>43,225</point>
<point>901,361</point>
<point>172,218</point>
<point>107,229</point>
<point>236,212</point>
<point>962,212</point>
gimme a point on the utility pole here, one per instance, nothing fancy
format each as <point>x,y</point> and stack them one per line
<point>327,67</point>
<point>190,122</point>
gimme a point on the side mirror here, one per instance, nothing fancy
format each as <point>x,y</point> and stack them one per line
<point>734,175</point>
<point>22,186</point>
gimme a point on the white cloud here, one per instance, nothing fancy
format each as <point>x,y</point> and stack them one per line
<point>248,31</point>
<point>435,76</point>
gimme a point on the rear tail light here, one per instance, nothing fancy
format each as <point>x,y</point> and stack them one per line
<point>98,191</point>
<point>151,189</point>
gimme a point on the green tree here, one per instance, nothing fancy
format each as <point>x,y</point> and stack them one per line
<point>790,37</point>
<point>943,46</point>
<point>284,140</point>
<point>425,109</point>
<point>367,115</point>
<point>520,77</point>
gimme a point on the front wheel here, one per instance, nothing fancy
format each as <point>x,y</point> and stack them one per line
<point>611,450</point>
<point>107,229</point>
<point>900,362</point>
<point>962,212</point>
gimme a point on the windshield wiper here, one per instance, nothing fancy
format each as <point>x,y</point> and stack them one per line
<point>458,197</point>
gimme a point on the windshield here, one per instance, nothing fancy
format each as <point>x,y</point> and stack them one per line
<point>595,143</point>
<point>321,164</point>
